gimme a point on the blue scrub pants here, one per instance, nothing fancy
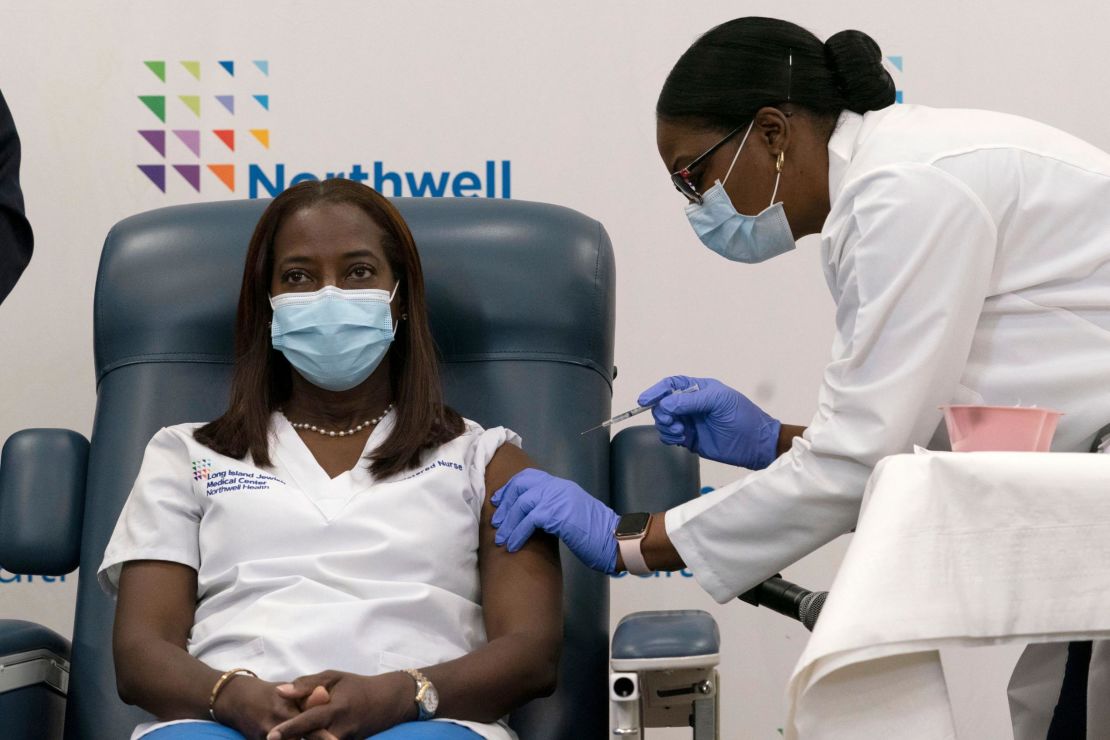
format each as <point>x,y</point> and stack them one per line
<point>407,731</point>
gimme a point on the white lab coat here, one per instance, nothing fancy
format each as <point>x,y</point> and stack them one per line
<point>968,253</point>
<point>298,572</point>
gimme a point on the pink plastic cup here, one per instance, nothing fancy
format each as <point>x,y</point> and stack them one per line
<point>1000,428</point>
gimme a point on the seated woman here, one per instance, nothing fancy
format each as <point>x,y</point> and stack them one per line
<point>319,561</point>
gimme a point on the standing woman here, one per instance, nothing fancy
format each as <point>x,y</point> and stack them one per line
<point>968,253</point>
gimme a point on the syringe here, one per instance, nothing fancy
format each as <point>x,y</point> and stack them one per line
<point>639,409</point>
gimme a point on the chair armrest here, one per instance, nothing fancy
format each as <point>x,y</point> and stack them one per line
<point>31,654</point>
<point>42,501</point>
<point>647,475</point>
<point>666,640</point>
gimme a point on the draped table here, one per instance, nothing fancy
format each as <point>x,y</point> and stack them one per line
<point>960,549</point>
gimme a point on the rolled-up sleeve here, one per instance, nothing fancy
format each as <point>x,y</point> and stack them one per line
<point>913,266</point>
<point>483,446</point>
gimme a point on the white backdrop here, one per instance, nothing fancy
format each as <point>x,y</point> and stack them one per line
<point>558,95</point>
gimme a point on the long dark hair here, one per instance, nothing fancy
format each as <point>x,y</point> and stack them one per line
<point>263,377</point>
<point>745,64</point>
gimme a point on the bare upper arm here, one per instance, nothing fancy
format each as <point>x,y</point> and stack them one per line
<point>521,591</point>
<point>157,599</point>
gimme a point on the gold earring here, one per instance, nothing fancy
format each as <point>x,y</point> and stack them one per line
<point>779,162</point>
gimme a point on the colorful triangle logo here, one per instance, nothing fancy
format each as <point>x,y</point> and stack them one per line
<point>263,100</point>
<point>226,173</point>
<point>158,68</point>
<point>156,173</point>
<point>229,66</point>
<point>157,139</point>
<point>192,68</point>
<point>227,136</point>
<point>227,101</point>
<point>263,66</point>
<point>896,61</point>
<point>263,136</point>
<point>191,173</point>
<point>192,102</point>
<point>190,138</point>
<point>157,105</point>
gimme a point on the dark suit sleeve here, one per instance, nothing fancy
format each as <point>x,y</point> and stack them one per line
<point>16,239</point>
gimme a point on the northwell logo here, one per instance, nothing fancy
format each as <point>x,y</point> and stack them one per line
<point>202,468</point>
<point>496,182</point>
<point>213,119</point>
<point>204,127</point>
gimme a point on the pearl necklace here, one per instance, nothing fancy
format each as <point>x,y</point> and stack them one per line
<point>341,433</point>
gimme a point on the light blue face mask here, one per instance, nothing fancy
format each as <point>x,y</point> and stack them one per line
<point>735,236</point>
<point>335,338</point>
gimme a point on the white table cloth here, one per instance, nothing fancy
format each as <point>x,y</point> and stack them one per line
<point>956,549</point>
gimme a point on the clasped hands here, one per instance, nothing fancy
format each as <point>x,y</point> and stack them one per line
<point>331,705</point>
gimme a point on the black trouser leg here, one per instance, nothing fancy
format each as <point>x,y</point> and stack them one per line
<point>1069,719</point>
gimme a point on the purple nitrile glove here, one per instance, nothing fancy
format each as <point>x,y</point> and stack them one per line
<point>715,421</point>
<point>534,500</point>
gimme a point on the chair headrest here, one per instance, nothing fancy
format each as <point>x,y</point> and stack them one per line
<point>505,280</point>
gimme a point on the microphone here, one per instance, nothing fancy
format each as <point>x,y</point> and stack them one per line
<point>788,598</point>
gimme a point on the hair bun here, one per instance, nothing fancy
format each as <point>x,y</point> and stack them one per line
<point>857,64</point>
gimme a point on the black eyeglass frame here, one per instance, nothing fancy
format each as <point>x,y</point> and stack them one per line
<point>681,178</point>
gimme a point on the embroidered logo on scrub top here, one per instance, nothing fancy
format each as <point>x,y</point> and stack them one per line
<point>229,481</point>
<point>202,468</point>
<point>433,466</point>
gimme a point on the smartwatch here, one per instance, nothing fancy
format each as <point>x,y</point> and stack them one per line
<point>631,530</point>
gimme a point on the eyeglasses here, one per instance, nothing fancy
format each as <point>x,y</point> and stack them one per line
<point>682,178</point>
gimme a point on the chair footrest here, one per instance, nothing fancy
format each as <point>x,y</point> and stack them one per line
<point>666,640</point>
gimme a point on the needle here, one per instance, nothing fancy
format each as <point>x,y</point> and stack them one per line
<point>638,410</point>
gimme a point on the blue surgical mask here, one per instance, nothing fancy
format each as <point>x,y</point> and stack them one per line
<point>735,236</point>
<point>335,338</point>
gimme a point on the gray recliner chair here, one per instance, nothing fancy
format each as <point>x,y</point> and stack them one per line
<point>521,299</point>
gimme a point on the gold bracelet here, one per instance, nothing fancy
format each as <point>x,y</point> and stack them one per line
<point>220,683</point>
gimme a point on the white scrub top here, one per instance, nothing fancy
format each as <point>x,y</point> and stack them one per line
<point>299,573</point>
<point>969,256</point>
